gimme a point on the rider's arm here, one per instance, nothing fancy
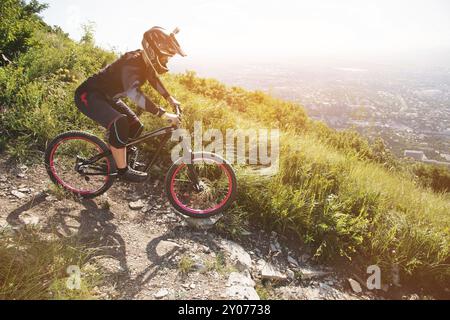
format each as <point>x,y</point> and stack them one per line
<point>156,83</point>
<point>130,79</point>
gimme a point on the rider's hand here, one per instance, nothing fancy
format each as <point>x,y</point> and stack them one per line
<point>173,102</point>
<point>173,118</point>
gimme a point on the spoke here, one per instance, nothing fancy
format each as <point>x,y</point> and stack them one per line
<point>92,176</point>
<point>215,184</point>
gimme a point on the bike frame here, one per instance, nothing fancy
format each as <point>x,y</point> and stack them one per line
<point>166,133</point>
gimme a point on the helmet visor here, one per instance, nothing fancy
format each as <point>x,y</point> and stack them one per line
<point>170,47</point>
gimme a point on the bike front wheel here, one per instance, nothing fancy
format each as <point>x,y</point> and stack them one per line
<point>204,187</point>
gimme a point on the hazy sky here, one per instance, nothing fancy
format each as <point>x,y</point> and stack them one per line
<point>266,30</point>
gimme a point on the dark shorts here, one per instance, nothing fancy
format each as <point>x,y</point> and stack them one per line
<point>105,111</point>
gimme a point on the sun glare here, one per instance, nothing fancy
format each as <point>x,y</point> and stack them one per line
<point>268,29</point>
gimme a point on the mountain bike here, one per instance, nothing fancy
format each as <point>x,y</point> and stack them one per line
<point>198,185</point>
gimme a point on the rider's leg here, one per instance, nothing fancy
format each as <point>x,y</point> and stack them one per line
<point>118,139</point>
<point>135,125</point>
<point>135,130</point>
<point>120,156</point>
<point>118,135</point>
<point>95,106</point>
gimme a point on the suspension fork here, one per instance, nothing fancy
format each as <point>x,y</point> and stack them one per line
<point>192,174</point>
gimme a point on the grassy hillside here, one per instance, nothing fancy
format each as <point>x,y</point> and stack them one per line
<point>348,199</point>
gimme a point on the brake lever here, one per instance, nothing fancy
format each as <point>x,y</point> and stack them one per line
<point>178,111</point>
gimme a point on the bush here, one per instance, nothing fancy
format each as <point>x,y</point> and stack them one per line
<point>433,176</point>
<point>17,24</point>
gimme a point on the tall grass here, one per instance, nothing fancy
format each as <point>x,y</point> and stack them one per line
<point>345,197</point>
<point>33,268</point>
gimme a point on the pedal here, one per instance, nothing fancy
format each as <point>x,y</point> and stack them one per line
<point>133,154</point>
<point>138,165</point>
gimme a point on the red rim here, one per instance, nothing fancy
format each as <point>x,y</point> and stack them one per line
<point>201,212</point>
<point>66,185</point>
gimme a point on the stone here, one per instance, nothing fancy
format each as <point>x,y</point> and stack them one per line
<point>202,224</point>
<point>206,249</point>
<point>165,247</point>
<point>30,219</point>
<point>356,287</point>
<point>172,215</point>
<point>199,266</point>
<point>192,286</point>
<point>50,198</point>
<point>241,287</point>
<point>18,194</point>
<point>260,265</point>
<point>161,294</point>
<point>325,287</point>
<point>242,279</point>
<point>290,274</point>
<point>238,255</point>
<point>137,205</point>
<point>292,261</point>
<point>305,258</point>
<point>270,272</point>
<point>275,246</point>
<point>309,274</point>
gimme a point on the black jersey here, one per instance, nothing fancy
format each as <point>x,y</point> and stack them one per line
<point>124,77</point>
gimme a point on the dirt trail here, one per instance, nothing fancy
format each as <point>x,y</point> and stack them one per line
<point>153,253</point>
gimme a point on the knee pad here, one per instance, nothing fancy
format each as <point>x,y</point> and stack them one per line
<point>119,133</point>
<point>136,129</point>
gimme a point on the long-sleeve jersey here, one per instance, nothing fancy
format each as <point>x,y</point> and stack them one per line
<point>124,78</point>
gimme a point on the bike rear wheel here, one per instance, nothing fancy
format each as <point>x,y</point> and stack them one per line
<point>216,189</point>
<point>65,161</point>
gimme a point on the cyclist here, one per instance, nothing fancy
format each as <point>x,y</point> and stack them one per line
<point>99,96</point>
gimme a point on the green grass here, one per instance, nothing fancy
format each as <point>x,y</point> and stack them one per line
<point>265,292</point>
<point>33,268</point>
<point>219,264</point>
<point>186,265</point>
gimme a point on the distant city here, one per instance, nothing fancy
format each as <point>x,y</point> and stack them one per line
<point>408,108</point>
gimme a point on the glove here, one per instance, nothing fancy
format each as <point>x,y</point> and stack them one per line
<point>173,102</point>
<point>173,118</point>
